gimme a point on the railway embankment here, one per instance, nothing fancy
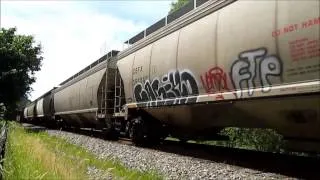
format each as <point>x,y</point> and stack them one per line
<point>34,152</point>
<point>174,162</point>
<point>37,155</point>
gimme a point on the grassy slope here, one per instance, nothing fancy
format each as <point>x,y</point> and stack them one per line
<point>40,156</point>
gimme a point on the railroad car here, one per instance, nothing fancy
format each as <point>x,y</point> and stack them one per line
<point>207,66</point>
<point>40,110</point>
<point>88,98</point>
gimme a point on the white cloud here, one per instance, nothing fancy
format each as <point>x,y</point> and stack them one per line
<point>71,35</point>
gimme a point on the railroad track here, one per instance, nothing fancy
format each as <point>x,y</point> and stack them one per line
<point>284,164</point>
<point>301,167</point>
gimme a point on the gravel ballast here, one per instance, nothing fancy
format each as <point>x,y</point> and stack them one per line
<point>169,165</point>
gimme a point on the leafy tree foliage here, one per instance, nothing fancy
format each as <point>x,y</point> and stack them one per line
<point>20,58</point>
<point>258,139</point>
<point>177,5</point>
<point>251,138</point>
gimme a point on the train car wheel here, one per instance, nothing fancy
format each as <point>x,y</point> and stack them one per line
<point>136,132</point>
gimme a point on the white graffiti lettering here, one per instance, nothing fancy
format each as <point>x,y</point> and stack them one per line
<point>251,65</point>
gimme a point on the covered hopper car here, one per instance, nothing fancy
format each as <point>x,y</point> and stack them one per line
<point>207,66</point>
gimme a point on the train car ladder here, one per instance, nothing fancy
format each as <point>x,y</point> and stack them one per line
<point>118,93</point>
<point>106,108</point>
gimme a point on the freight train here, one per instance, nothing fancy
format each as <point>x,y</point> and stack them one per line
<point>209,65</point>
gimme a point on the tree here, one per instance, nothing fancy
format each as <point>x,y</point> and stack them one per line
<point>20,58</point>
<point>177,5</point>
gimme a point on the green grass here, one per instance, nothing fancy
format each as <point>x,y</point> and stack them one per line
<point>40,156</point>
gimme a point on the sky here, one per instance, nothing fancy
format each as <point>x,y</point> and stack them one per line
<point>73,34</point>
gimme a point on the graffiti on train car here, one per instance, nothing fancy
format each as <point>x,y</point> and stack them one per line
<point>215,81</point>
<point>254,64</point>
<point>172,88</point>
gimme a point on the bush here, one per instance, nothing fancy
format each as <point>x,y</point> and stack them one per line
<point>258,139</point>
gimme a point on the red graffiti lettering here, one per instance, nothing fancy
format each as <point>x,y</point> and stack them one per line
<point>214,81</point>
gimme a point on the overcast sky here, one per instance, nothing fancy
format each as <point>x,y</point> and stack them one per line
<point>73,34</point>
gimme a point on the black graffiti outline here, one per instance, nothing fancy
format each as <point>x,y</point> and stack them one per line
<point>175,87</point>
<point>269,84</point>
<point>252,70</point>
